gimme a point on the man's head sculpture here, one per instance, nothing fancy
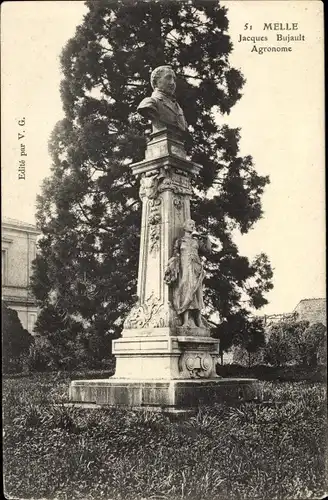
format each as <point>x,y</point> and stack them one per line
<point>163,78</point>
<point>161,108</point>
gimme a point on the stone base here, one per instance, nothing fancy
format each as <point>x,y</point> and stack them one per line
<point>165,395</point>
<point>164,357</point>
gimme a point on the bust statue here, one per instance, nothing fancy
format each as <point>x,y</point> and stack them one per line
<point>162,108</point>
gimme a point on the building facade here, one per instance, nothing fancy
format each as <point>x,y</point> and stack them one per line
<point>18,250</point>
<point>311,310</point>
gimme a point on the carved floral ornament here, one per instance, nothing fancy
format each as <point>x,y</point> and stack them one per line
<point>165,180</point>
<point>196,364</point>
<point>151,313</point>
<point>154,224</point>
<point>178,202</point>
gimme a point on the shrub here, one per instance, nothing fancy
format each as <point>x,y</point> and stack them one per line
<point>281,347</point>
<point>296,342</point>
<point>244,358</point>
<point>310,344</point>
<point>67,345</point>
<point>45,355</point>
<point>291,373</point>
<point>16,341</point>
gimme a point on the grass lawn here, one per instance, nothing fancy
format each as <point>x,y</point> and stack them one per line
<point>272,450</point>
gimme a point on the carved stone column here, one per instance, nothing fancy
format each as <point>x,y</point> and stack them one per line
<point>165,193</point>
<point>165,190</point>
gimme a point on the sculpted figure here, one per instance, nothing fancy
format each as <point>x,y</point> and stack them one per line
<point>185,273</point>
<point>161,107</point>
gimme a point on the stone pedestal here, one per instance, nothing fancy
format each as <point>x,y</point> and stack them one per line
<point>159,363</point>
<point>168,396</point>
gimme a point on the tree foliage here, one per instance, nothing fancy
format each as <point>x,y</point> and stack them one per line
<point>249,342</point>
<point>16,341</point>
<point>310,344</point>
<point>65,342</point>
<point>252,339</point>
<point>280,348</point>
<point>89,210</point>
<point>296,342</point>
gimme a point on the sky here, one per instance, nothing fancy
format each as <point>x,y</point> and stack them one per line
<point>281,116</point>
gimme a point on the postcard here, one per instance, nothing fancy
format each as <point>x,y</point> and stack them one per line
<point>163,249</point>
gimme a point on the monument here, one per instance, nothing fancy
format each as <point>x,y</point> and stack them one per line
<point>166,358</point>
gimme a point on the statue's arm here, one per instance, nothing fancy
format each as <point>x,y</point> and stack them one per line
<point>148,108</point>
<point>176,248</point>
<point>205,245</point>
<point>172,270</point>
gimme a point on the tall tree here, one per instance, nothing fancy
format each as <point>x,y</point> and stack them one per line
<point>89,211</point>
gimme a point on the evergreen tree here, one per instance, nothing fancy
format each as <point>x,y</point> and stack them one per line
<point>16,341</point>
<point>89,210</point>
